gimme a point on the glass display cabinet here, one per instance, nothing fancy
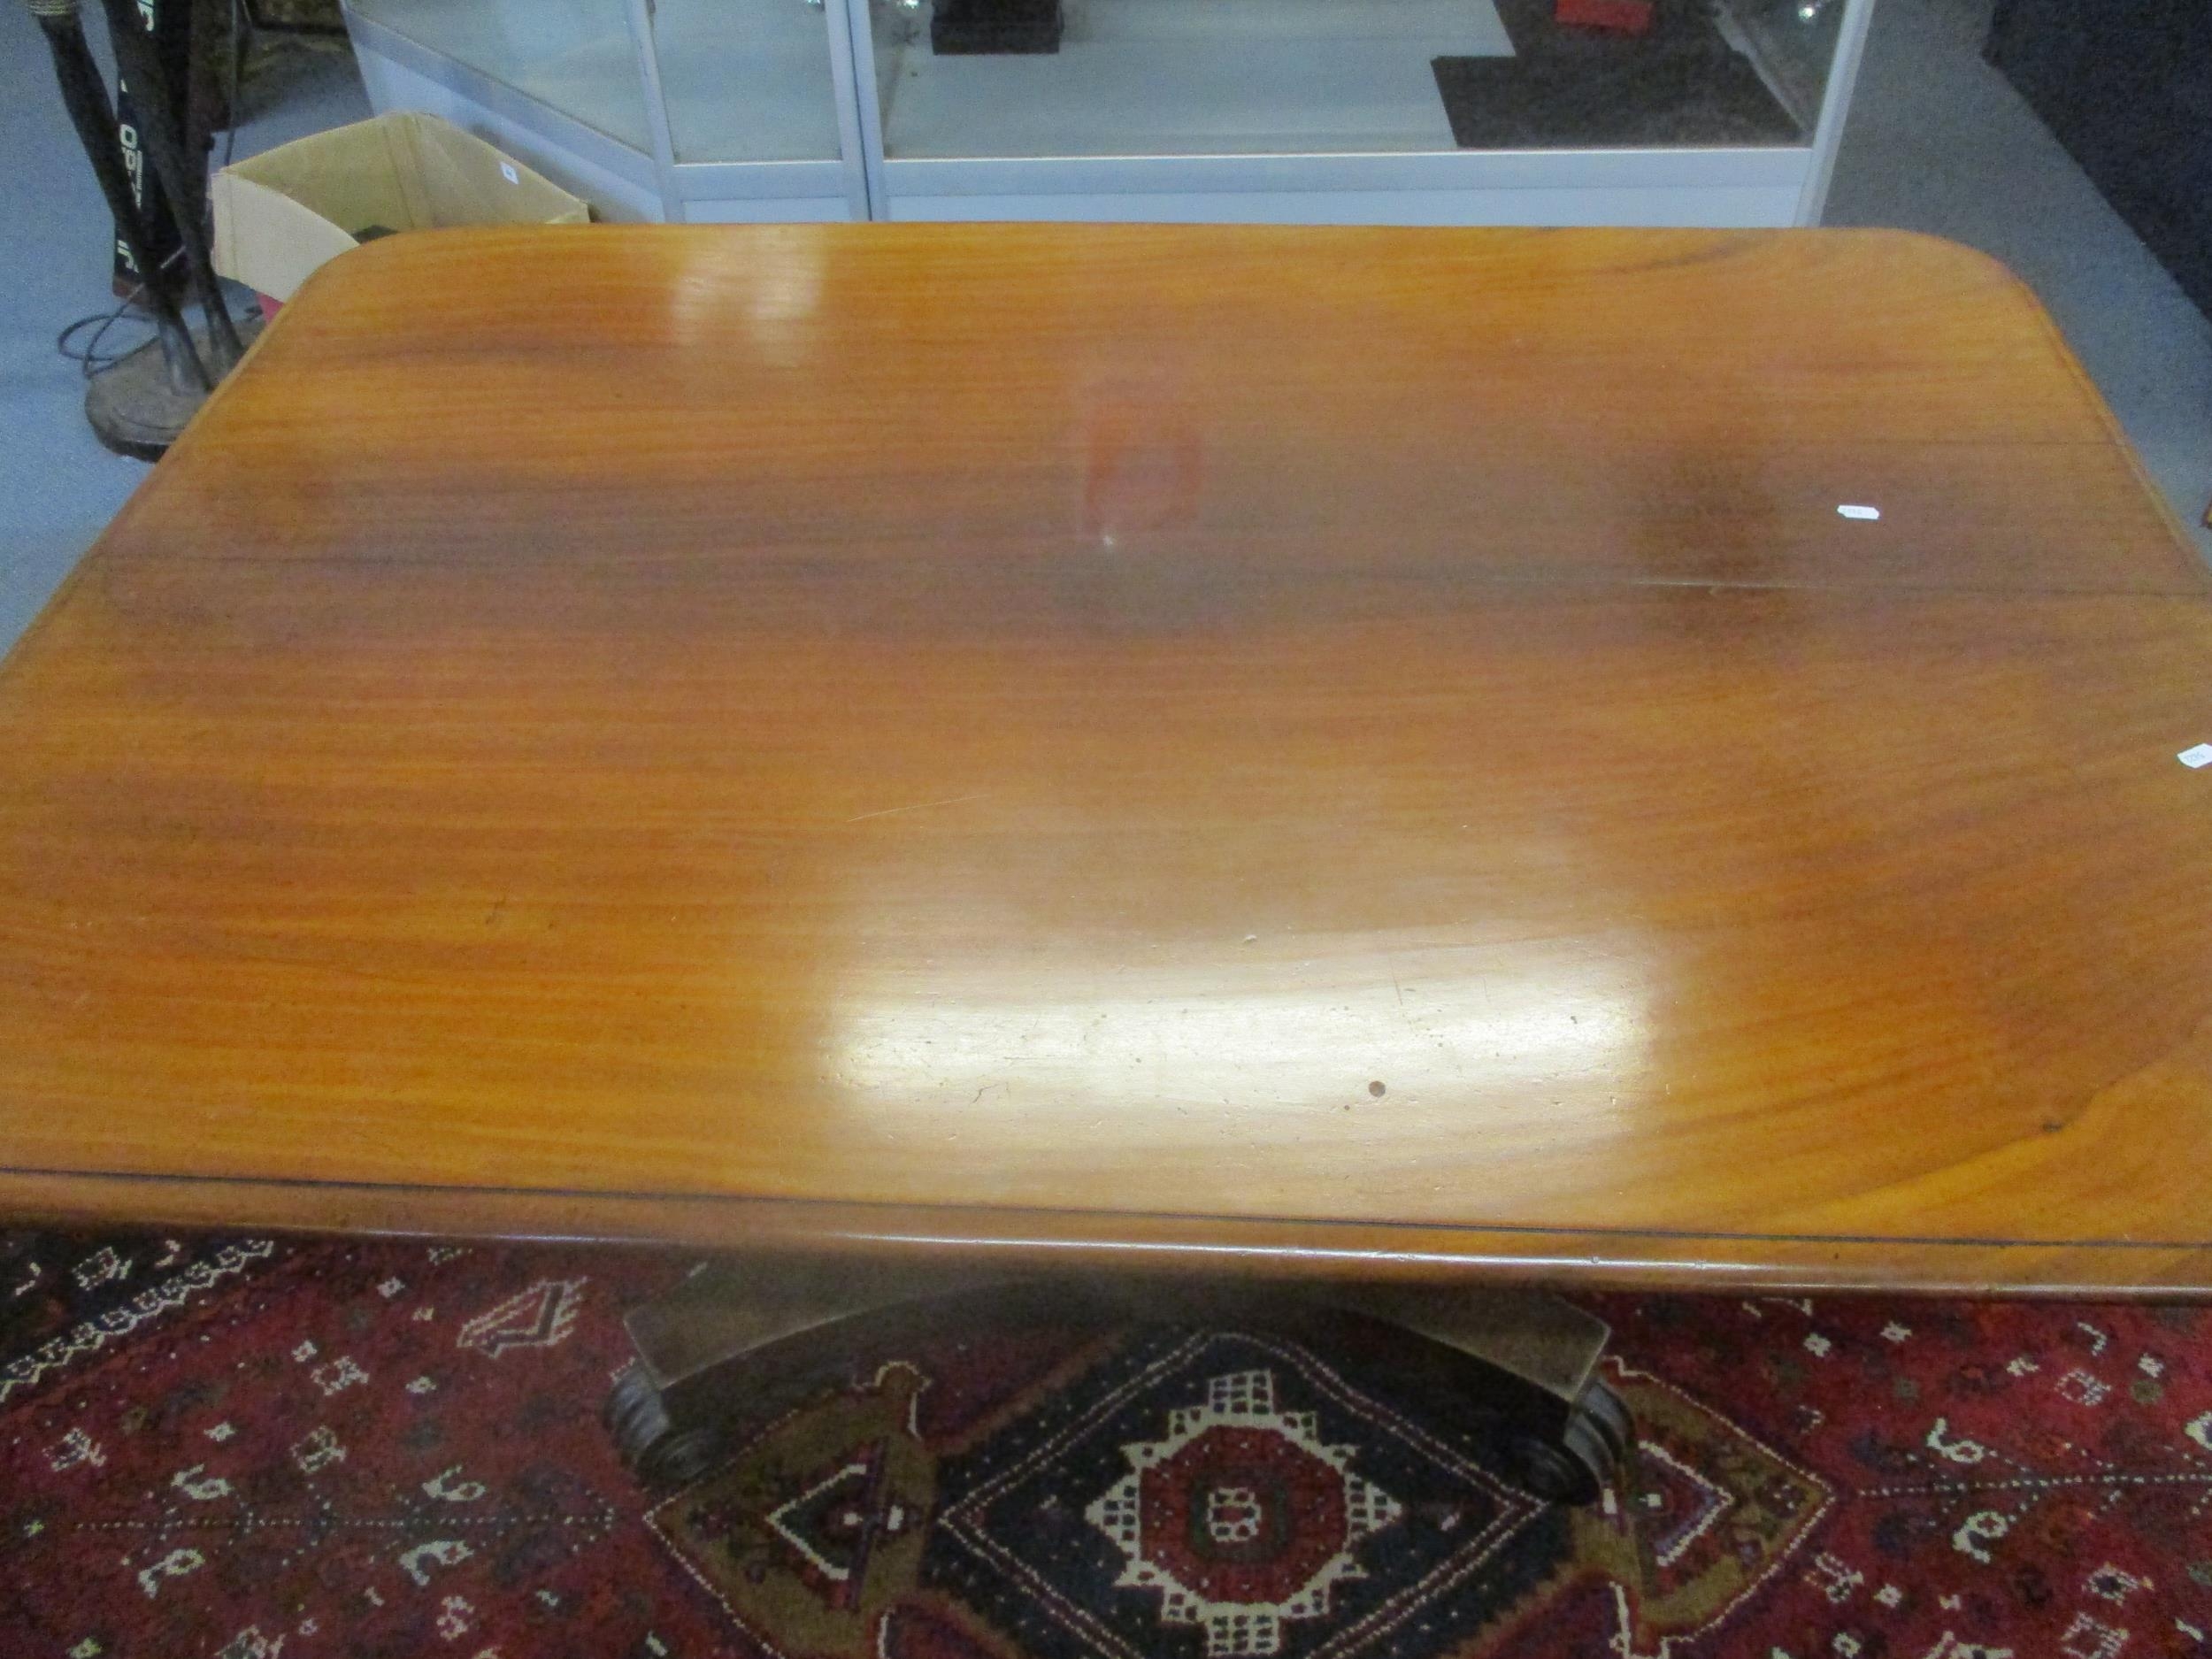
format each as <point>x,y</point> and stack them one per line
<point>1444,112</point>
<point>696,109</point>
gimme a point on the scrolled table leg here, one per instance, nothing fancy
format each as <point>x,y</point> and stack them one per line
<point>738,1339</point>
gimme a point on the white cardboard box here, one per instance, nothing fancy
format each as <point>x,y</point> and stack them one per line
<point>281,213</point>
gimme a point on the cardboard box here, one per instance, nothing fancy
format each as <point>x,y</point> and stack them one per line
<point>280,214</point>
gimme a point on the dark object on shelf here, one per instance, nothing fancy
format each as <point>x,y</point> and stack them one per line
<point>1622,17</point>
<point>1682,83</point>
<point>2126,85</point>
<point>959,26</point>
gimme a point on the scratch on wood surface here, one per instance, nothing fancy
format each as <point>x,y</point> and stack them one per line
<point>918,806</point>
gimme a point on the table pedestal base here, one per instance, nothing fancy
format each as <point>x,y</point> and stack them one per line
<point>740,1340</point>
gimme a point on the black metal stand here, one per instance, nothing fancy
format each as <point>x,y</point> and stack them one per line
<point>84,94</point>
<point>139,405</point>
<point>175,139</point>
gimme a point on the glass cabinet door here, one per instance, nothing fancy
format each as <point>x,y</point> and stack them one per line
<point>1131,78</point>
<point>574,56</point>
<point>1793,42</point>
<point>746,79</point>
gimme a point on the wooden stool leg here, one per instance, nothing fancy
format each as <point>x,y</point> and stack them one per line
<point>738,1341</point>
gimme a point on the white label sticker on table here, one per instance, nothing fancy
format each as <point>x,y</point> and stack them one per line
<point>1849,511</point>
<point>507,171</point>
<point>2201,755</point>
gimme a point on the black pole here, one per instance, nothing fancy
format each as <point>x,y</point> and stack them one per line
<point>164,134</point>
<point>84,94</point>
<point>170,28</point>
<point>203,91</point>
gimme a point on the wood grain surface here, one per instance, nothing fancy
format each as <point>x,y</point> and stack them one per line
<point>1310,750</point>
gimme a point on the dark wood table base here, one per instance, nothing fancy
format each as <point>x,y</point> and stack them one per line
<point>740,1340</point>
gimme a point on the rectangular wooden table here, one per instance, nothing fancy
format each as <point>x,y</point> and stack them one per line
<point>1613,757</point>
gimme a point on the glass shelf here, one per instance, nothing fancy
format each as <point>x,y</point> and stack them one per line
<point>1185,77</point>
<point>1133,78</point>
<point>741,80</point>
<point>572,56</point>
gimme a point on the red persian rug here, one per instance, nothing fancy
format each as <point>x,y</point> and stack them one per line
<point>239,1449</point>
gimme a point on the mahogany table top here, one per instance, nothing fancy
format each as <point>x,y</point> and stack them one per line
<point>1344,750</point>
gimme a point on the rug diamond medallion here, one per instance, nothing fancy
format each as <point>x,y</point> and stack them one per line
<point>1226,1494</point>
<point>1240,1516</point>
